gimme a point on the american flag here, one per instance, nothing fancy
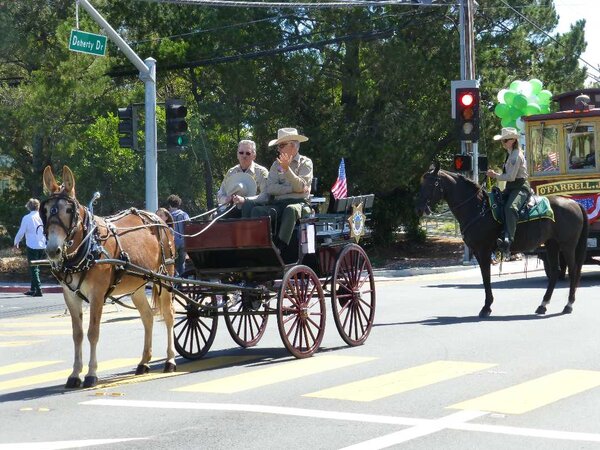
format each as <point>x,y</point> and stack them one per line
<point>550,163</point>
<point>340,188</point>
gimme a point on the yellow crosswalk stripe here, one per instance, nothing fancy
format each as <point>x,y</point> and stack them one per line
<point>393,383</point>
<point>19,343</point>
<point>61,375</point>
<point>182,369</point>
<point>535,393</point>
<point>21,367</point>
<point>276,374</point>
<point>65,332</point>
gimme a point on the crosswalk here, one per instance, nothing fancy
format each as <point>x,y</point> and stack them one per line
<point>220,375</point>
<point>517,399</point>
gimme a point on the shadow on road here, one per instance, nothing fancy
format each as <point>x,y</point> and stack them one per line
<point>453,320</point>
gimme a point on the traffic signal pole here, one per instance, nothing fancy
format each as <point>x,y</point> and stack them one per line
<point>147,70</point>
<point>467,72</point>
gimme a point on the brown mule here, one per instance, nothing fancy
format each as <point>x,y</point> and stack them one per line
<point>76,242</point>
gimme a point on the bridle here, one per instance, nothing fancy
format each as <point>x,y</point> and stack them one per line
<point>85,254</point>
<point>437,186</point>
<point>53,216</point>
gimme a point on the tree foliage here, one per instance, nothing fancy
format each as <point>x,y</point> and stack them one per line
<point>367,84</point>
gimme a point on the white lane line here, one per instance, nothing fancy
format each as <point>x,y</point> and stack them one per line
<point>261,409</point>
<point>354,417</point>
<point>59,445</point>
<point>425,428</point>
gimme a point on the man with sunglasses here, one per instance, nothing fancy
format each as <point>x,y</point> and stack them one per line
<point>246,154</point>
<point>517,189</point>
<point>289,184</point>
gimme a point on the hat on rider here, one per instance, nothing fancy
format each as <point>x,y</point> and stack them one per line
<point>507,133</point>
<point>286,135</point>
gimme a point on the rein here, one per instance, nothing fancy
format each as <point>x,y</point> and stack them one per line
<point>438,185</point>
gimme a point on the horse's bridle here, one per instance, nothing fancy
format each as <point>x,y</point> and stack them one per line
<point>53,217</point>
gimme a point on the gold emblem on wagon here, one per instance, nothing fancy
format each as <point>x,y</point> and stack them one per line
<point>357,222</point>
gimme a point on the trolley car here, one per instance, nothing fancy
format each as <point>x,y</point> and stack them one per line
<point>561,150</point>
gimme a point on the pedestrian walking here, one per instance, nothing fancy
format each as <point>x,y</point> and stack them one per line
<point>32,229</point>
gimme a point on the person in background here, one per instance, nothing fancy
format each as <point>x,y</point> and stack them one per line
<point>32,229</point>
<point>179,218</point>
<point>246,154</point>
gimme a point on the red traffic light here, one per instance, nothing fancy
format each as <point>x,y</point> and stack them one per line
<point>467,114</point>
<point>466,99</point>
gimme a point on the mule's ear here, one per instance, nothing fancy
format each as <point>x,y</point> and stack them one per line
<point>50,184</point>
<point>435,167</point>
<point>68,181</point>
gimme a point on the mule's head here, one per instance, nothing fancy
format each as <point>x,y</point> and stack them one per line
<point>430,190</point>
<point>59,213</point>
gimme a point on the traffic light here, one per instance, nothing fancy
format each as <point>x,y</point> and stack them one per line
<point>176,125</point>
<point>467,113</point>
<point>126,129</point>
<point>463,163</point>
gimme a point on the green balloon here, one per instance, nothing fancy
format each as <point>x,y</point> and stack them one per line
<point>502,110</point>
<point>520,102</point>
<point>544,97</point>
<point>514,86</point>
<point>509,96</point>
<point>545,109</point>
<point>532,108</point>
<point>514,113</point>
<point>536,86</point>
<point>506,122</point>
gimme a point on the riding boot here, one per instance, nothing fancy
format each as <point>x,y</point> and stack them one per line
<point>504,243</point>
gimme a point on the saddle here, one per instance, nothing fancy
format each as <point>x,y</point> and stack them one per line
<point>537,207</point>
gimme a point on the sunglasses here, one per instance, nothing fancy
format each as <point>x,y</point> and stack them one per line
<point>506,140</point>
<point>245,153</point>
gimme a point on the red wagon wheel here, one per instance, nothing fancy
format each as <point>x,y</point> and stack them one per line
<point>301,311</point>
<point>245,326</point>
<point>353,295</point>
<point>195,325</point>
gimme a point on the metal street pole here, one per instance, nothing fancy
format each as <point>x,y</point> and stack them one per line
<point>148,76</point>
<point>467,72</point>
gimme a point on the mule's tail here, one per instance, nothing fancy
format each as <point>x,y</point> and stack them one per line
<point>581,249</point>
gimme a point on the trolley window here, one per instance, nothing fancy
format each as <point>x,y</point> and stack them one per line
<point>581,147</point>
<point>544,149</point>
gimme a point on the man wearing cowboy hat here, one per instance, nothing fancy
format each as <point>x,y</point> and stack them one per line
<point>289,183</point>
<point>236,187</point>
<point>517,189</point>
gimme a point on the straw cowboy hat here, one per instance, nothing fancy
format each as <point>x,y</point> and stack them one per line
<point>507,133</point>
<point>286,135</point>
<point>240,184</point>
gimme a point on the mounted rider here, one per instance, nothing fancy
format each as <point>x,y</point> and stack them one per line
<point>517,189</point>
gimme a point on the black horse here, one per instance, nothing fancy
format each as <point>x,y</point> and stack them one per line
<point>567,234</point>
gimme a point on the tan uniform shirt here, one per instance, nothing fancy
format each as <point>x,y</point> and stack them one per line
<point>257,172</point>
<point>515,165</point>
<point>290,184</point>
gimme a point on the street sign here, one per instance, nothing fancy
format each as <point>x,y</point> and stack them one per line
<point>93,44</point>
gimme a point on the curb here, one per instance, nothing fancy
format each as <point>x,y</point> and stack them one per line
<point>15,288</point>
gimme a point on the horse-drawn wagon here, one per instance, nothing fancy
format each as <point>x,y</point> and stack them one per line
<point>237,274</point>
<point>249,273</point>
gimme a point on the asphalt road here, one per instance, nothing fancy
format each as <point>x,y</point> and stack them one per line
<point>431,375</point>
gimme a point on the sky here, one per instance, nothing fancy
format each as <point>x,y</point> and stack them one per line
<point>570,11</point>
